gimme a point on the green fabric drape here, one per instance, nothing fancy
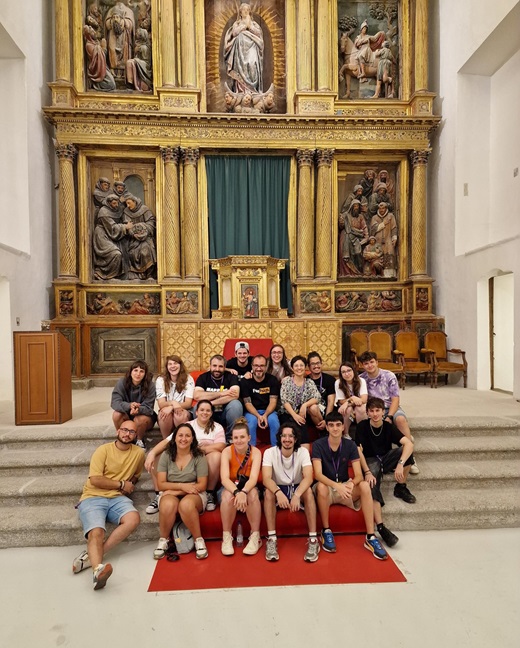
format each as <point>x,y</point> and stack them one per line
<point>247,206</point>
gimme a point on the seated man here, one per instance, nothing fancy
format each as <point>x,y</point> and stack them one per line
<point>287,477</point>
<point>260,395</point>
<point>375,438</point>
<point>383,384</point>
<point>221,388</point>
<point>240,365</point>
<point>326,386</point>
<point>330,458</point>
<point>114,471</point>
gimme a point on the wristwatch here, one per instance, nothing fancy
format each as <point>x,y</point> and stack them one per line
<point>401,462</point>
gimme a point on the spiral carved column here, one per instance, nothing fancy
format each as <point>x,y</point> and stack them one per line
<point>63,48</point>
<point>323,245</point>
<point>168,44</point>
<point>188,65</point>
<point>419,224</point>
<point>191,229</point>
<point>303,45</point>
<point>172,228</point>
<point>305,236</point>
<point>67,211</point>
<point>421,45</point>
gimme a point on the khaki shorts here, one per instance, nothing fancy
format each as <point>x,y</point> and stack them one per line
<point>334,498</point>
<point>203,496</point>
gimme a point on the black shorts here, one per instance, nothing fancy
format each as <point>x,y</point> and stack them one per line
<point>380,466</point>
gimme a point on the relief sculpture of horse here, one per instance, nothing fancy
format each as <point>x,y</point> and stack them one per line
<point>358,57</point>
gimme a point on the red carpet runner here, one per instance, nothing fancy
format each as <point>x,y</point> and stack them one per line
<point>351,564</point>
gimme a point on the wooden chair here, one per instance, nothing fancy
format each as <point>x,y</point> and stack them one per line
<point>407,343</point>
<point>436,343</point>
<point>381,343</point>
<point>358,345</point>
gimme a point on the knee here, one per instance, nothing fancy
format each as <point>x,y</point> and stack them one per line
<point>322,490</point>
<point>364,488</point>
<point>131,519</point>
<point>96,535</point>
<point>314,410</point>
<point>269,498</point>
<point>252,496</point>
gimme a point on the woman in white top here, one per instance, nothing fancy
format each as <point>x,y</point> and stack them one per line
<point>174,393</point>
<point>212,440</point>
<point>351,395</point>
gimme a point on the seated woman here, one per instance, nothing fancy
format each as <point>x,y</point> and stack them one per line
<point>133,399</point>
<point>277,363</point>
<point>351,395</point>
<point>239,470</point>
<point>174,393</point>
<point>299,397</point>
<point>182,476</point>
<point>212,440</point>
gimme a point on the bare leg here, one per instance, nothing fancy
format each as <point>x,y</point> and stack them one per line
<point>254,510</point>
<point>165,424</point>
<point>228,512</point>
<point>128,524</point>
<point>95,540</point>
<point>270,510</point>
<point>118,418</point>
<point>402,425</point>
<point>190,507</point>
<point>143,423</point>
<point>168,507</point>
<point>315,414</point>
<point>213,459</point>
<point>322,493</point>
<point>362,491</point>
<point>310,510</point>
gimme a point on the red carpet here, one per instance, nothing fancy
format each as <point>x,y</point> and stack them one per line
<point>351,564</point>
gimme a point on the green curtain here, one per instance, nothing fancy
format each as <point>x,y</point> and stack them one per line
<point>247,206</point>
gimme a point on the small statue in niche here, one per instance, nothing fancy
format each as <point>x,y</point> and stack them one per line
<point>379,195</point>
<point>147,305</point>
<point>374,301</point>
<point>98,74</point>
<point>244,52</point>
<point>383,227</point>
<point>95,19</point>
<point>107,242</point>
<point>384,76</point>
<point>367,182</point>
<point>139,68</point>
<point>421,299</point>
<point>140,221</point>
<point>384,177</point>
<point>353,237</point>
<point>120,30</point>
<point>250,300</point>
<point>101,193</point>
<point>374,258</point>
<point>366,46</point>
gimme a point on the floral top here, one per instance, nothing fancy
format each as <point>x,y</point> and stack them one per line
<point>296,396</point>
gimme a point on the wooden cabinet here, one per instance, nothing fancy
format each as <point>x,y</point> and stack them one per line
<point>43,385</point>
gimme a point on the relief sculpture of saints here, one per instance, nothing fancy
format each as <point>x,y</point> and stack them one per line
<point>244,52</point>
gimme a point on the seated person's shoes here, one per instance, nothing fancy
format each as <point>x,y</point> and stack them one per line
<point>389,538</point>
<point>401,491</point>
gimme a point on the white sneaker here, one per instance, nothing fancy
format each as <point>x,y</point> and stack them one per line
<point>81,562</point>
<point>162,545</point>
<point>414,469</point>
<point>254,544</point>
<point>227,544</point>
<point>200,549</point>
<point>101,574</point>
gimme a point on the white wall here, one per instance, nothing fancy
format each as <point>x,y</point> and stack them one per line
<point>26,161</point>
<point>475,71</point>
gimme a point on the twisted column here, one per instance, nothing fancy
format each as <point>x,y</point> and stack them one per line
<point>168,44</point>
<point>305,235</point>
<point>323,245</point>
<point>67,211</point>
<point>324,63</point>
<point>303,45</point>
<point>191,230</point>
<point>421,45</point>
<point>188,66</point>
<point>62,40</point>
<point>172,229</point>
<point>418,246</point>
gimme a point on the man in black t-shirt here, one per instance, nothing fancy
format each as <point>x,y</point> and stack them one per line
<point>260,395</point>
<point>240,365</point>
<point>376,438</point>
<point>326,386</point>
<point>221,388</point>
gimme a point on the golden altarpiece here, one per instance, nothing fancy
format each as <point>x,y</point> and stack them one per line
<point>147,91</point>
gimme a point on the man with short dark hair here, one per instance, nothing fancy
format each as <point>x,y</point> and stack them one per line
<point>330,458</point>
<point>375,438</point>
<point>221,388</point>
<point>240,365</point>
<point>287,477</point>
<point>260,395</point>
<point>383,384</point>
<point>114,471</point>
<point>326,387</point>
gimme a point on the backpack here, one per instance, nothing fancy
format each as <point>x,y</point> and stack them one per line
<point>182,538</point>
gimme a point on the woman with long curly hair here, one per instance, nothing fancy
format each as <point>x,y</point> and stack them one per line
<point>277,363</point>
<point>182,477</point>
<point>174,392</point>
<point>351,395</point>
<point>133,399</point>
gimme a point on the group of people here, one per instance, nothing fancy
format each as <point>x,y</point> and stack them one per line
<point>208,455</point>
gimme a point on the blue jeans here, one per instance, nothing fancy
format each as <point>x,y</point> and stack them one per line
<point>272,421</point>
<point>228,415</point>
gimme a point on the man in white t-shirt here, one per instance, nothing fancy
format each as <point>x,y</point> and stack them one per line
<point>287,476</point>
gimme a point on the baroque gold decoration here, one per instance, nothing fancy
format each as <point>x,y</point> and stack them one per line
<point>181,339</point>
<point>305,240</point>
<point>193,269</point>
<point>172,229</point>
<point>418,238</point>
<point>325,337</point>
<point>66,154</point>
<point>323,244</point>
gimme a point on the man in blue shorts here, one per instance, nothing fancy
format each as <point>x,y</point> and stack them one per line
<point>330,458</point>
<point>383,384</point>
<point>114,470</point>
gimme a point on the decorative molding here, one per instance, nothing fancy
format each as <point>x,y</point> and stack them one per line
<point>305,157</point>
<point>65,151</point>
<point>190,156</point>
<point>420,157</point>
<point>324,157</point>
<point>170,154</point>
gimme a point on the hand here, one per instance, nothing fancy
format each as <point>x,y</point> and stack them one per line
<point>233,371</point>
<point>343,409</point>
<point>190,489</point>
<point>295,503</point>
<point>320,425</point>
<point>248,375</point>
<point>281,500</point>
<point>355,400</point>
<point>128,488</point>
<point>299,419</point>
<point>303,410</point>
<point>262,421</point>
<point>134,408</point>
<point>399,474</point>
<point>164,412</point>
<point>345,490</point>
<point>149,463</point>
<point>241,501</point>
<point>370,479</point>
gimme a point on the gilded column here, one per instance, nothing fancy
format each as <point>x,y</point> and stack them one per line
<point>305,233</point>
<point>421,45</point>
<point>191,229</point>
<point>322,46</point>
<point>168,44</point>
<point>419,224</point>
<point>62,40</point>
<point>303,45</point>
<point>188,64</point>
<point>323,245</point>
<point>172,227</point>
<point>67,211</point>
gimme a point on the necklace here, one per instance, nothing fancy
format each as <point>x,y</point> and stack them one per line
<point>372,429</point>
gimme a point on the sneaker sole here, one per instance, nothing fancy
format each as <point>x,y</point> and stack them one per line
<point>103,577</point>
<point>328,549</point>
<point>210,508</point>
<point>314,559</point>
<point>272,558</point>
<point>370,548</point>
<point>159,554</point>
<point>201,557</point>
<point>156,510</point>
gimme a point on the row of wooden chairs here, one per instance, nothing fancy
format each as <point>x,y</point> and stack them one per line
<point>402,356</point>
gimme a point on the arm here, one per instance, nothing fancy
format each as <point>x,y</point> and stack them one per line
<point>148,401</point>
<point>394,405</point>
<point>120,401</point>
<point>227,395</point>
<point>407,451</point>
<point>330,403</point>
<point>369,477</point>
<point>224,470</point>
<point>104,483</point>
<point>241,496</point>
<point>154,453</point>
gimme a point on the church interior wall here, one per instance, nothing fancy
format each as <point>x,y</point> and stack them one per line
<point>474,71</point>
<point>26,248</point>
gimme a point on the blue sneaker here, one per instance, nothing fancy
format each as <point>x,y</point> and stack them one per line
<point>373,545</point>
<point>327,540</point>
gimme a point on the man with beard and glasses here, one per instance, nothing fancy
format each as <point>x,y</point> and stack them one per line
<point>260,394</point>
<point>114,470</point>
<point>220,387</point>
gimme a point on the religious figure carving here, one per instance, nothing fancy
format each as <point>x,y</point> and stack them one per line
<point>250,302</point>
<point>99,75</point>
<point>353,236</point>
<point>379,195</point>
<point>374,258</point>
<point>109,234</point>
<point>383,227</point>
<point>384,75</point>
<point>140,222</point>
<point>182,303</point>
<point>101,193</point>
<point>120,29</point>
<point>244,52</point>
<point>350,302</point>
<point>421,299</point>
<point>139,68</point>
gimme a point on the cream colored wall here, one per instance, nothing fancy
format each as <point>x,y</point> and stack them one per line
<point>475,70</point>
<point>26,161</point>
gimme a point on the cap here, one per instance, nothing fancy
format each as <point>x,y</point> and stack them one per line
<point>241,345</point>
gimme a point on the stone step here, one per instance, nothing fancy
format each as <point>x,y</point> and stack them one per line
<point>478,447</point>
<point>467,426</point>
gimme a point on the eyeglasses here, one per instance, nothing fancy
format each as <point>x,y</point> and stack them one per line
<point>262,366</point>
<point>128,431</point>
<point>314,364</point>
